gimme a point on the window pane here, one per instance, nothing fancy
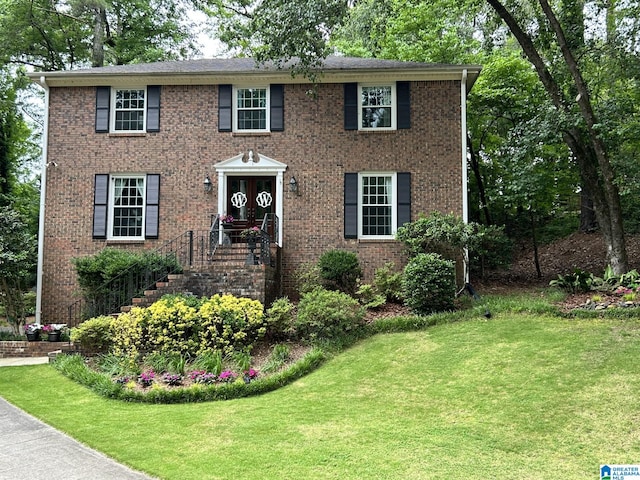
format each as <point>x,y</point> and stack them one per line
<point>128,205</point>
<point>129,110</point>
<point>376,107</point>
<point>376,205</point>
<point>252,108</point>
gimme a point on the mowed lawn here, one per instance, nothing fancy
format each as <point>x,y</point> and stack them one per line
<point>514,397</point>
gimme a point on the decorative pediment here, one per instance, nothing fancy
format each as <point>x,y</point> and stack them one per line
<point>250,162</point>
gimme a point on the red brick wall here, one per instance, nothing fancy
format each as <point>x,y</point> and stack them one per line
<point>314,145</point>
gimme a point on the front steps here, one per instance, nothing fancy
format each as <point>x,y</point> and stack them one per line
<point>227,273</point>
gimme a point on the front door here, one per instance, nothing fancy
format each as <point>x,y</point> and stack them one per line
<point>250,199</point>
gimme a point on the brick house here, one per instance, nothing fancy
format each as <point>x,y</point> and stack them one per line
<point>136,155</point>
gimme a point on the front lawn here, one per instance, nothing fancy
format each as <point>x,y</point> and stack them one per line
<point>524,396</point>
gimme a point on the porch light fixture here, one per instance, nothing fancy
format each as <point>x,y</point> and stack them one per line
<point>293,185</point>
<point>208,186</point>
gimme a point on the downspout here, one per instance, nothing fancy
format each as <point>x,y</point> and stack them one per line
<point>43,194</point>
<point>465,193</point>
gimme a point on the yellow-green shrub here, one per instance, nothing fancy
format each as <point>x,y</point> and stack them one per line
<point>172,327</point>
<point>230,324</point>
<point>128,334</point>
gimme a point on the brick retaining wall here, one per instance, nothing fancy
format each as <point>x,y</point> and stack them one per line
<point>31,349</point>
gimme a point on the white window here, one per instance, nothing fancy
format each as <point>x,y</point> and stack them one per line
<point>377,107</point>
<point>377,201</point>
<point>126,207</point>
<point>251,109</point>
<point>128,109</point>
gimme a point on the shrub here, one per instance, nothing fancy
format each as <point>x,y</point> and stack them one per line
<point>388,282</point>
<point>96,271</point>
<point>325,314</point>
<point>129,333</point>
<point>369,297</point>
<point>231,324</point>
<point>307,277</point>
<point>578,281</point>
<point>429,283</point>
<point>340,270</point>
<point>280,317</point>
<point>172,327</point>
<point>93,335</point>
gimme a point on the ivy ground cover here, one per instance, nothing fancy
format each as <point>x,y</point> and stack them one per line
<point>518,396</point>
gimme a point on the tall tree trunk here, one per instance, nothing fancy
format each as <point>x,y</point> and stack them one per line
<point>588,222</point>
<point>590,153</point>
<point>99,29</point>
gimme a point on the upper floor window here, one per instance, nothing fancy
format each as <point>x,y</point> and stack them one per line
<point>251,109</point>
<point>377,107</point>
<point>129,110</point>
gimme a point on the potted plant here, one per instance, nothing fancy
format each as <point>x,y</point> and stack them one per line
<point>32,331</point>
<point>226,220</point>
<point>252,235</point>
<point>54,331</point>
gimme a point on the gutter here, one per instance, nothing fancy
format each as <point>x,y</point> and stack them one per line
<point>465,193</point>
<point>43,194</point>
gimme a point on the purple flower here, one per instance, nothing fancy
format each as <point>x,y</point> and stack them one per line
<point>146,378</point>
<point>227,376</point>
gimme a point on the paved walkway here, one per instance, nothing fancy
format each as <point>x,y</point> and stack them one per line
<point>32,450</point>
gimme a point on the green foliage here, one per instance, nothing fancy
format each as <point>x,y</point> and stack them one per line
<point>308,277</point>
<point>17,265</point>
<point>369,297</point>
<point>575,282</point>
<point>280,318</point>
<point>630,279</point>
<point>129,335</point>
<point>95,272</point>
<point>327,314</point>
<point>447,235</point>
<point>388,282</point>
<point>210,361</point>
<point>93,335</point>
<point>340,270</point>
<point>429,283</point>
<point>230,324</point>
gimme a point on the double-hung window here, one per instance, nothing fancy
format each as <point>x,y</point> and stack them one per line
<point>128,110</point>
<point>377,107</point>
<point>127,207</point>
<point>376,204</point>
<point>377,198</point>
<point>251,109</point>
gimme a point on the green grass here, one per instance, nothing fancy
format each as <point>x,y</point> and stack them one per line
<point>526,396</point>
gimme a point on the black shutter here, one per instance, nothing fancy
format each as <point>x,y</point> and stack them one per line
<point>100,205</point>
<point>153,108</point>
<point>277,108</point>
<point>403,97</point>
<point>350,205</point>
<point>351,106</point>
<point>102,109</point>
<point>404,198</point>
<point>225,99</point>
<point>152,213</point>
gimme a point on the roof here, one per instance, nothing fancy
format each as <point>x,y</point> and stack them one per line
<point>335,69</point>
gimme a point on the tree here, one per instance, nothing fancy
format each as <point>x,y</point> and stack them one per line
<point>64,34</point>
<point>18,257</point>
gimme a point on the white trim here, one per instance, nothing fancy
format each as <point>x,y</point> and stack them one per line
<point>112,110</point>
<point>394,205</point>
<point>260,166</point>
<point>267,108</point>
